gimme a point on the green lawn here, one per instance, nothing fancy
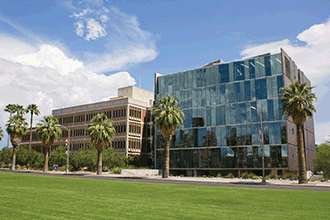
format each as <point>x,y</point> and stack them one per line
<point>24,196</point>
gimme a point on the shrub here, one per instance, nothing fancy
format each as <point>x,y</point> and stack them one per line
<point>58,157</point>
<point>182,175</point>
<point>313,180</point>
<point>111,159</point>
<point>288,175</point>
<point>6,155</point>
<point>230,175</point>
<point>279,177</point>
<point>272,176</point>
<point>116,170</point>
<point>251,175</point>
<point>255,177</point>
<point>245,175</point>
<point>219,175</point>
<point>322,162</point>
<point>22,156</point>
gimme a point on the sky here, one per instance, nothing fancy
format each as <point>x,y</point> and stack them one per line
<point>68,52</point>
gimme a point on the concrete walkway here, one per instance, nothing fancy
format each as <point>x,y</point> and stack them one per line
<point>216,180</point>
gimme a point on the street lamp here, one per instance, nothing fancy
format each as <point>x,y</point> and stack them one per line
<point>67,157</point>
<point>261,146</point>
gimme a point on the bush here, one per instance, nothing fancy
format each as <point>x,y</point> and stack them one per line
<point>251,175</point>
<point>204,176</point>
<point>279,177</point>
<point>245,175</point>
<point>288,176</point>
<point>58,157</point>
<point>255,177</point>
<point>116,170</point>
<point>313,180</point>
<point>6,156</point>
<point>111,159</point>
<point>37,160</point>
<point>272,176</point>
<point>322,162</point>
<point>22,156</point>
<point>182,175</point>
<point>230,175</point>
<point>219,175</point>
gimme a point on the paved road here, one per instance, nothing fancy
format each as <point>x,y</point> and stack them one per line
<point>241,184</point>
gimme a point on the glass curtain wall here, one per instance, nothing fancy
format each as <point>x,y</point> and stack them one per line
<point>220,129</point>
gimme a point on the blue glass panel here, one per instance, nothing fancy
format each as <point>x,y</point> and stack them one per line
<point>237,92</point>
<point>247,91</point>
<point>224,73</point>
<point>270,110</point>
<point>243,112</point>
<point>268,66</point>
<point>239,71</point>
<point>208,116</point>
<point>261,88</point>
<point>252,69</point>
<point>280,109</point>
<point>279,84</point>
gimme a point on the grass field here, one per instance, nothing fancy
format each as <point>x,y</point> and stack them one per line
<point>24,196</point>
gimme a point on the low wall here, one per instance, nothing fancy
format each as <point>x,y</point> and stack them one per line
<point>150,172</point>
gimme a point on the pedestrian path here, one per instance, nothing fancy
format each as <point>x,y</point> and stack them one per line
<point>195,179</point>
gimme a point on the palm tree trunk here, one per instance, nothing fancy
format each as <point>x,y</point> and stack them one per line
<point>28,164</point>
<point>31,132</point>
<point>99,162</point>
<point>13,160</point>
<point>301,156</point>
<point>166,170</point>
<point>46,153</point>
<point>11,114</point>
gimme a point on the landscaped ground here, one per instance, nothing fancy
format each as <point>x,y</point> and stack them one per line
<point>25,196</point>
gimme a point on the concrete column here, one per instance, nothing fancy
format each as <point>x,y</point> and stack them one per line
<point>127,129</point>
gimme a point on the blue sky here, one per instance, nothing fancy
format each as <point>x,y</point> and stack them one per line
<point>64,53</point>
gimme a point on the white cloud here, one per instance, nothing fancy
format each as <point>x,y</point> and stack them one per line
<point>313,58</point>
<point>95,30</point>
<point>123,41</point>
<point>121,57</point>
<point>79,28</point>
<point>51,80</point>
<point>323,133</point>
<point>94,20</point>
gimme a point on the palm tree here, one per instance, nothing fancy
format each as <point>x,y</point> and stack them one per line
<point>1,133</point>
<point>168,119</point>
<point>297,103</point>
<point>16,128</point>
<point>11,109</point>
<point>101,133</point>
<point>48,133</point>
<point>33,109</point>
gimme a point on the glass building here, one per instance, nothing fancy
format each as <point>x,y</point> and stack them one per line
<point>220,131</point>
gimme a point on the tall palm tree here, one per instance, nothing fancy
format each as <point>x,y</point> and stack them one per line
<point>101,133</point>
<point>33,109</point>
<point>48,133</point>
<point>16,128</point>
<point>11,108</point>
<point>1,133</point>
<point>168,119</point>
<point>297,103</point>
<point>20,110</point>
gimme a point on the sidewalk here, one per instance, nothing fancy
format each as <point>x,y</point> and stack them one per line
<point>193,179</point>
